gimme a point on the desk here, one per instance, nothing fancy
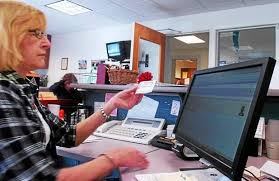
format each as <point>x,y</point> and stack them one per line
<point>162,89</point>
<point>160,160</point>
<point>94,149</point>
<point>158,89</point>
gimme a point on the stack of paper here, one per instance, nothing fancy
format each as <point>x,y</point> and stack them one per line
<point>260,134</point>
<point>174,176</point>
<point>147,108</point>
<point>254,170</point>
<point>208,174</point>
<point>271,168</point>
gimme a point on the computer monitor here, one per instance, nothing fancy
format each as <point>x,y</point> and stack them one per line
<point>113,49</point>
<point>220,113</point>
<point>119,50</point>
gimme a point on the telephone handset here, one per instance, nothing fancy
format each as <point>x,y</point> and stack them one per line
<point>106,126</point>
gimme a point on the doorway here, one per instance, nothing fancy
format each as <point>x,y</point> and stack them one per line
<point>177,50</point>
<point>184,71</point>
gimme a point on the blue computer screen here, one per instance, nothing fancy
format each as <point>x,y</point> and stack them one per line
<point>113,49</point>
<point>216,109</point>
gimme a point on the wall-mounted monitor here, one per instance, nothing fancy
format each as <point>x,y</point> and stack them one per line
<point>119,50</point>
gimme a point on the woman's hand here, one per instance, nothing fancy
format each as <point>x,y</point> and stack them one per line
<point>128,157</point>
<point>125,99</point>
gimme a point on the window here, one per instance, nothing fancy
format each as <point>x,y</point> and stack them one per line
<point>238,45</point>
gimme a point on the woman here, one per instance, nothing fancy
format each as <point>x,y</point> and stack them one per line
<point>29,132</point>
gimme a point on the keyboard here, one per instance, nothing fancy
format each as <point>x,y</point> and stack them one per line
<point>131,134</point>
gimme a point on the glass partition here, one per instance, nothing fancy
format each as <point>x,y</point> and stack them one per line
<point>238,45</point>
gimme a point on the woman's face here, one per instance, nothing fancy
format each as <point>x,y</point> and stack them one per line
<point>34,48</point>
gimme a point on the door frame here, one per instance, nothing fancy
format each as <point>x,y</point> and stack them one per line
<point>148,34</point>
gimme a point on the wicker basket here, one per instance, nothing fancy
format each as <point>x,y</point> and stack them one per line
<point>122,76</point>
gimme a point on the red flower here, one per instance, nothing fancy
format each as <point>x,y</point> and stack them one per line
<point>145,76</point>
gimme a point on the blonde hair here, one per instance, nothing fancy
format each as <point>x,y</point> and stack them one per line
<point>16,18</point>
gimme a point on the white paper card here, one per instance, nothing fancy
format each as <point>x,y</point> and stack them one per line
<point>145,87</point>
<point>271,168</point>
<point>175,106</point>
<point>254,170</point>
<point>147,108</point>
<point>260,132</point>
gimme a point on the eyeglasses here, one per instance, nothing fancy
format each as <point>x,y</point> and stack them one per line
<point>38,33</point>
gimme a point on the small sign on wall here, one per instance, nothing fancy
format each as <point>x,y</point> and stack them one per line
<point>64,63</point>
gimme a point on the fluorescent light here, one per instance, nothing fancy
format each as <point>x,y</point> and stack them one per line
<point>246,48</point>
<point>243,48</point>
<point>68,7</point>
<point>190,39</point>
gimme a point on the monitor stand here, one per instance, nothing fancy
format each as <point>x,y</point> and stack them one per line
<point>189,153</point>
<point>205,162</point>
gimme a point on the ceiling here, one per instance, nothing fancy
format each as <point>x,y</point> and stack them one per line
<point>117,12</point>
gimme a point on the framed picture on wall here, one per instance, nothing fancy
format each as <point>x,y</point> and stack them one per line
<point>64,63</point>
<point>82,64</point>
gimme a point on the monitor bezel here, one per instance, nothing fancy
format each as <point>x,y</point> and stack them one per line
<point>124,50</point>
<point>234,169</point>
<point>119,49</point>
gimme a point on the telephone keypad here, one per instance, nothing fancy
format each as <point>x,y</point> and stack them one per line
<point>129,132</point>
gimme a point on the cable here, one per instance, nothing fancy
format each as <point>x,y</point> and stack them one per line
<point>252,174</point>
<point>269,178</point>
<point>152,151</point>
<point>245,178</point>
<point>208,166</point>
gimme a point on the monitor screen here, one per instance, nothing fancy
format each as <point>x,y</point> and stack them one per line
<point>113,49</point>
<point>221,109</point>
<point>119,50</point>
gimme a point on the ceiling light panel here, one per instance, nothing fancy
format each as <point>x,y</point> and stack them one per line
<point>190,39</point>
<point>68,7</point>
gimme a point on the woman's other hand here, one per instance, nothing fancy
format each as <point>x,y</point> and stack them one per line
<point>128,157</point>
<point>125,99</point>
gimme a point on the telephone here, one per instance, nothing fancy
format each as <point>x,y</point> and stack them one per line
<point>106,126</point>
<point>131,129</point>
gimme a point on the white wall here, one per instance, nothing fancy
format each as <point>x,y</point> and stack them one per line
<point>91,44</point>
<point>153,50</point>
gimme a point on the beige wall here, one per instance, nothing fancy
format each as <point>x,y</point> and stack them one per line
<point>201,55</point>
<point>183,64</point>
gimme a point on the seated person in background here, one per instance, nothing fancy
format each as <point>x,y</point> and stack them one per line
<point>63,90</point>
